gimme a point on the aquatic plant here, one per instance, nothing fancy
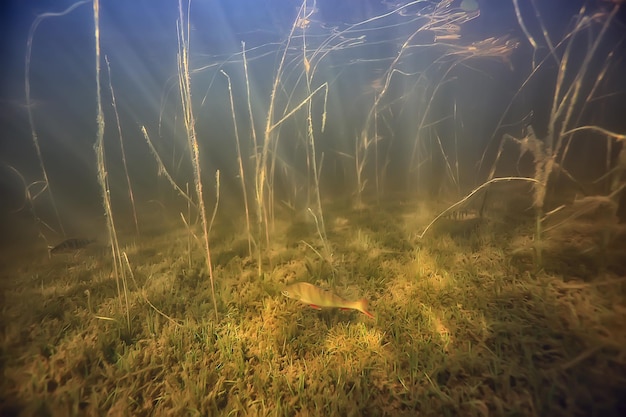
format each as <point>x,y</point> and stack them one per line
<point>268,162</point>
<point>31,120</point>
<point>265,149</point>
<point>119,269</point>
<point>31,192</point>
<point>184,82</point>
<point>242,174</point>
<point>131,195</point>
<point>576,84</point>
<point>444,22</point>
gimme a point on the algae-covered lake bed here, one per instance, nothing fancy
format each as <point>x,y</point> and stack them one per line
<point>464,324</point>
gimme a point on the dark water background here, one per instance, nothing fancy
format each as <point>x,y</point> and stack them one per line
<point>139,38</point>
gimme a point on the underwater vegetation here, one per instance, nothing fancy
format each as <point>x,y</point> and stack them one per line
<point>442,181</point>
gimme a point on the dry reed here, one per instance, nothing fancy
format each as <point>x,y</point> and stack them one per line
<point>118,268</point>
<point>31,120</point>
<point>122,149</point>
<point>184,80</point>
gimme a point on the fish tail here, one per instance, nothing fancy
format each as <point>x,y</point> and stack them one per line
<point>362,307</point>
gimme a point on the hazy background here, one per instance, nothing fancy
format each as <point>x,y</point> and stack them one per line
<point>139,38</point>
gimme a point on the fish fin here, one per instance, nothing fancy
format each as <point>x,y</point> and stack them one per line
<point>367,313</point>
<point>315,307</point>
<point>363,308</point>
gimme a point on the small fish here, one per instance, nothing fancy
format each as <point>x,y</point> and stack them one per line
<point>70,245</point>
<point>318,297</point>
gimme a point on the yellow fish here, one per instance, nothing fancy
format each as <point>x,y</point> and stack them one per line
<point>318,297</point>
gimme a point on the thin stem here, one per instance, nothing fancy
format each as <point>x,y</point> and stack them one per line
<point>31,120</point>
<point>119,132</point>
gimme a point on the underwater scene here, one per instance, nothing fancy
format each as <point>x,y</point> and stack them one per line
<point>313,208</point>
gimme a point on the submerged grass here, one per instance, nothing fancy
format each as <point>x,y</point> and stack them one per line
<point>464,323</point>
<point>461,328</point>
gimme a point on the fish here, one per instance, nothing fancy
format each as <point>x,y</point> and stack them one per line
<point>318,297</point>
<point>70,245</point>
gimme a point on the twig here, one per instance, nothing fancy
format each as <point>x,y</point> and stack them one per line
<point>467,197</point>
